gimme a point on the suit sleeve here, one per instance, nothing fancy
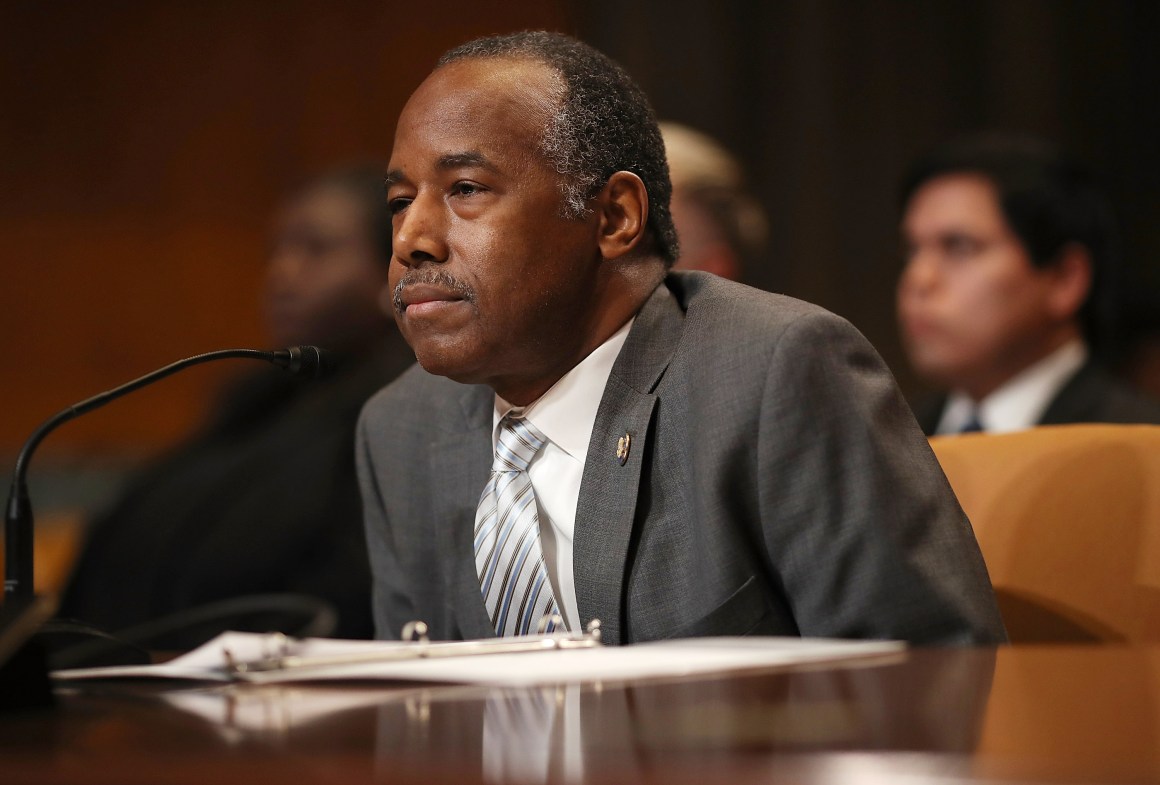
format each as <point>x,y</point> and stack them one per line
<point>858,520</point>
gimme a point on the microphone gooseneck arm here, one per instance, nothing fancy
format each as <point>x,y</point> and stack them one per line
<point>18,528</point>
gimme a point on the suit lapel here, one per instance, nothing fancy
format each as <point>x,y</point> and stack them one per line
<point>606,508</point>
<point>462,460</point>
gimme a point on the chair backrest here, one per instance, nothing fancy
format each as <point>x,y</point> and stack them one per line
<point>1068,520</point>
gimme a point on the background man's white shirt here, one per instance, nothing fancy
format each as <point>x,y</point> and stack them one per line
<point>1022,401</point>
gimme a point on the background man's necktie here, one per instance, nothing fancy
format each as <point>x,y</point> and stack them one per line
<point>508,558</point>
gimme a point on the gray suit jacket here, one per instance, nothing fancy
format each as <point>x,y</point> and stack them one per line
<point>776,484</point>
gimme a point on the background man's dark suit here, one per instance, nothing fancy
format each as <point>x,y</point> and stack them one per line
<point>1091,395</point>
<point>776,483</point>
<point>263,500</point>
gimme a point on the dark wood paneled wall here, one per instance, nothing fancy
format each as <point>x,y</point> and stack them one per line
<point>143,144</point>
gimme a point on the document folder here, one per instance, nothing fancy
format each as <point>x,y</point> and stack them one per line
<point>556,658</point>
<point>285,654</point>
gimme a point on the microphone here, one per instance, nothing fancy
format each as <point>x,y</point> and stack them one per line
<point>308,361</point>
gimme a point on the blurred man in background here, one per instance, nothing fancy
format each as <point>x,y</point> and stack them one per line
<point>264,499</point>
<point>1006,298</point>
<point>722,229</point>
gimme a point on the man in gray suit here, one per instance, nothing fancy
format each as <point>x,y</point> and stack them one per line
<point>671,453</point>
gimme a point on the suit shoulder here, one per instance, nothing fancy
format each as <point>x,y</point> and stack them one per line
<point>1095,395</point>
<point>739,314</point>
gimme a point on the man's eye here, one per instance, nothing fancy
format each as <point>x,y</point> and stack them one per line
<point>961,246</point>
<point>397,205</point>
<point>465,188</point>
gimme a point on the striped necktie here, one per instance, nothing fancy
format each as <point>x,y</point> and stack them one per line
<point>508,558</point>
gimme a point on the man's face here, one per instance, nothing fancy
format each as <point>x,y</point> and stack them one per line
<point>324,280</point>
<point>491,284</point>
<point>972,307</point>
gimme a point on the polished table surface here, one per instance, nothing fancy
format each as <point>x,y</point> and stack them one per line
<point>1016,714</point>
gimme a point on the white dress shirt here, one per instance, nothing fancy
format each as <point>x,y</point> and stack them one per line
<point>565,414</point>
<point>1022,401</point>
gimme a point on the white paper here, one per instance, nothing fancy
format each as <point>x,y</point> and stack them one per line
<point>665,659</point>
<point>208,662</point>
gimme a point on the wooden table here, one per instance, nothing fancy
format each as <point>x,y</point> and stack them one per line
<point>1043,714</point>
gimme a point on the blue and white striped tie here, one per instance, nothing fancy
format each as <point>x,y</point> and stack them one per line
<point>508,558</point>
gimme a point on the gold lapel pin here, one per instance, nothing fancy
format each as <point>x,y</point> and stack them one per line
<point>622,446</point>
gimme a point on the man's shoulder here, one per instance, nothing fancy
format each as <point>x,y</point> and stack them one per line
<point>1095,395</point>
<point>717,302</point>
<point>699,290</point>
<point>719,310</point>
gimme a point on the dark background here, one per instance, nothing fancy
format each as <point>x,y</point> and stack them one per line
<point>143,146</point>
<point>827,101</point>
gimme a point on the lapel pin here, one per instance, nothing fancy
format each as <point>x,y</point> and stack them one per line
<point>622,447</point>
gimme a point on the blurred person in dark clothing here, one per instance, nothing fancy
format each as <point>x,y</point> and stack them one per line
<point>264,498</point>
<point>1007,299</point>
<point>1140,360</point>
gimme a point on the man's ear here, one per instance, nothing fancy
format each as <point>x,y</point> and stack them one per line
<point>623,212</point>
<point>1072,280</point>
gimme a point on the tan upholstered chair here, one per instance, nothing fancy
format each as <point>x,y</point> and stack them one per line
<point>1068,519</point>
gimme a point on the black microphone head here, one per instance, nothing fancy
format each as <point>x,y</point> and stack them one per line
<point>309,361</point>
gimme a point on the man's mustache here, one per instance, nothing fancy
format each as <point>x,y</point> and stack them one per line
<point>437,278</point>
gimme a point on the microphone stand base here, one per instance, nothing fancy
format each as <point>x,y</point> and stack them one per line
<point>24,680</point>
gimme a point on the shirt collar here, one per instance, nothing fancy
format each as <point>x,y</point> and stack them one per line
<point>1022,401</point>
<point>566,413</point>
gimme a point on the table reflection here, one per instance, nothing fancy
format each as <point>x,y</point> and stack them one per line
<point>564,734</point>
<point>1062,714</point>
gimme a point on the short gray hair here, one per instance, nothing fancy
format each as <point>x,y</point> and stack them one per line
<point>604,125</point>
